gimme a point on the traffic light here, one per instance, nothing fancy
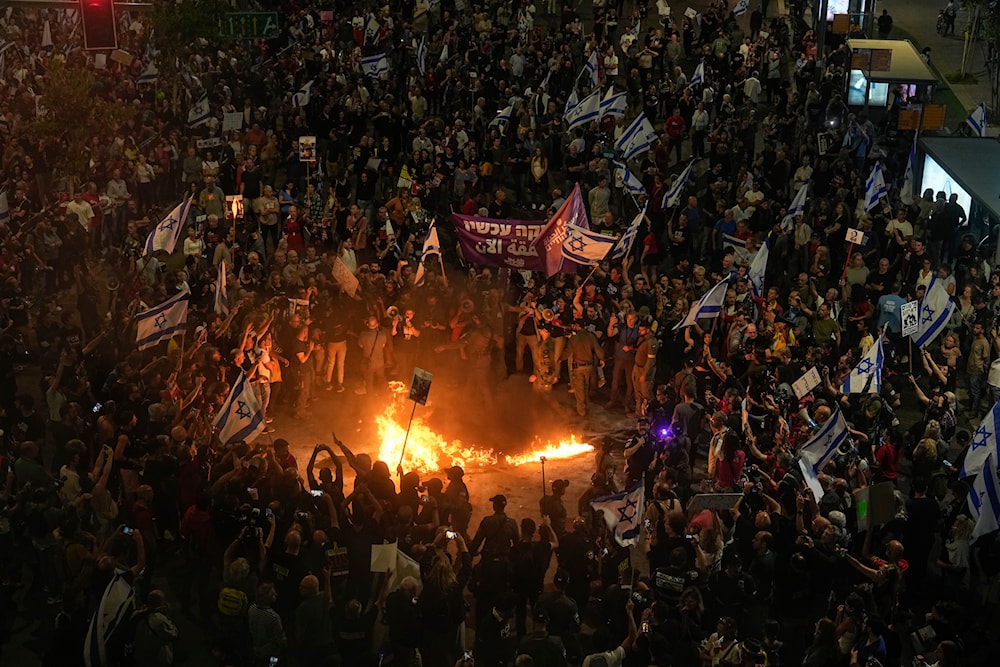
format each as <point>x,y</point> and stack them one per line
<point>99,30</point>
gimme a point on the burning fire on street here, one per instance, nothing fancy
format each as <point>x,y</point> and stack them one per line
<point>429,451</point>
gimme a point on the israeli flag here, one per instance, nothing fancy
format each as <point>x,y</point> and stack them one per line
<point>936,309</point>
<point>874,188</point>
<point>983,445</point>
<point>168,231</point>
<point>432,247</point>
<point>586,111</point>
<point>699,74</point>
<point>240,418</point>
<point>422,56</point>
<point>586,247</point>
<point>149,75</point>
<point>163,321</point>
<point>503,118</point>
<point>672,197</point>
<point>824,444</point>
<point>909,188</point>
<point>544,85</point>
<point>797,207</point>
<point>4,209</point>
<point>636,138</point>
<point>375,66</point>
<point>200,111</point>
<point>625,243</point>
<point>977,120</point>
<point>614,104</point>
<point>301,98</point>
<point>630,181</point>
<point>571,102</point>
<point>372,29</point>
<point>623,513</point>
<point>984,500</point>
<point>591,66</point>
<point>221,292</point>
<point>741,7</point>
<point>866,378</point>
<point>707,307</point>
<point>755,274</point>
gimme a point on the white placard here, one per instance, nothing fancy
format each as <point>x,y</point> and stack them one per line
<point>232,121</point>
<point>909,313</point>
<point>806,383</point>
<point>383,557</point>
<point>855,236</point>
<point>690,13</point>
<point>209,143</point>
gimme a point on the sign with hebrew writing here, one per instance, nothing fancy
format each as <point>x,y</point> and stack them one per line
<point>501,243</point>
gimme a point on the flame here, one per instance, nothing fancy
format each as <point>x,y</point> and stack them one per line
<point>428,451</point>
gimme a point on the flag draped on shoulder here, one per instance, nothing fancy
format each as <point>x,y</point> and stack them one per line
<point>707,307</point>
<point>375,66</point>
<point>636,138</point>
<point>822,446</point>
<point>240,417</point>
<point>168,231</point>
<point>117,606</point>
<point>625,243</point>
<point>984,500</point>
<point>936,309</point>
<point>589,109</point>
<point>623,513</point>
<point>301,98</point>
<point>977,120</point>
<point>874,188</point>
<point>221,292</point>
<point>672,196</point>
<point>163,321</point>
<point>983,444</point>
<point>866,378</point>
<point>432,247</point>
<point>586,247</point>
<point>200,111</point>
<point>755,274</point>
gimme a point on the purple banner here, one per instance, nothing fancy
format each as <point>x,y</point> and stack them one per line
<point>501,243</point>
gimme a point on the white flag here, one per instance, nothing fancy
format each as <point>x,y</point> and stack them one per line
<point>984,499</point>
<point>46,35</point>
<point>755,274</point>
<point>432,247</point>
<point>443,58</point>
<point>168,231</point>
<point>623,513</point>
<point>163,321</point>
<point>866,378</point>
<point>824,444</point>
<point>240,418</point>
<point>707,307</point>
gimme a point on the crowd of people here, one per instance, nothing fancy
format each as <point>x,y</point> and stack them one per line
<point>123,510</point>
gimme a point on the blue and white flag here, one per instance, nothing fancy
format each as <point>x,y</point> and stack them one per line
<point>755,274</point>
<point>824,444</point>
<point>874,188</point>
<point>149,75</point>
<point>983,444</point>
<point>372,30</point>
<point>741,7</point>
<point>636,138</point>
<point>432,247</point>
<point>586,247</point>
<point>163,321</point>
<point>5,44</point>
<point>240,418</point>
<point>168,231</point>
<point>630,181</point>
<point>935,313</point>
<point>117,606</point>
<point>909,187</point>
<point>623,513</point>
<point>977,120</point>
<point>544,85</point>
<point>627,240</point>
<point>503,118</point>
<point>984,500</point>
<point>375,66</point>
<point>4,209</point>
<point>221,292</point>
<point>797,207</point>
<point>866,378</point>
<point>591,67</point>
<point>571,102</point>
<point>699,74</point>
<point>707,307</point>
<point>672,197</point>
<point>422,55</point>
<point>614,104</point>
<point>588,110</point>
<point>200,111</point>
<point>301,98</point>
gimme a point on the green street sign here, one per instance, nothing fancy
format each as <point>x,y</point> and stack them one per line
<point>249,25</point>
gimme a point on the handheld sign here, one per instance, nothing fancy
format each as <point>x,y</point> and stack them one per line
<point>420,386</point>
<point>855,236</point>
<point>809,381</point>
<point>909,313</point>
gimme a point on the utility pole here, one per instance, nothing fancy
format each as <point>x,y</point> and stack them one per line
<point>820,25</point>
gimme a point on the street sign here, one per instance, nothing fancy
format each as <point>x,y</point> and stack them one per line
<point>249,25</point>
<point>910,314</point>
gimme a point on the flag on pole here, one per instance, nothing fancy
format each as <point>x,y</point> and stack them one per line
<point>866,378</point>
<point>874,188</point>
<point>240,418</point>
<point>636,138</point>
<point>983,444</point>
<point>200,111</point>
<point>699,74</point>
<point>422,55</point>
<point>591,67</point>
<point>375,66</point>
<point>571,102</point>
<point>797,207</point>
<point>625,243</point>
<point>372,30</point>
<point>168,231</point>
<point>585,247</point>
<point>221,292</point>
<point>46,35</point>
<point>936,309</point>
<point>432,247</point>
<point>163,321</point>
<point>149,75</point>
<point>755,274</point>
<point>117,606</point>
<point>623,513</point>
<point>301,98</point>
<point>630,181</point>
<point>544,85</point>
<point>614,104</point>
<point>707,307</point>
<point>984,499</point>
<point>673,195</point>
<point>977,120</point>
<point>741,7</point>
<point>824,444</point>
<point>503,118</point>
<point>586,111</point>
<point>909,188</point>
<point>550,240</point>
<point>443,58</point>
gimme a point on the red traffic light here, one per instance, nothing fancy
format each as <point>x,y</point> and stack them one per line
<point>99,26</point>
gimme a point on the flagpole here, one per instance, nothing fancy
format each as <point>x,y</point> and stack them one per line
<point>406,439</point>
<point>843,276</point>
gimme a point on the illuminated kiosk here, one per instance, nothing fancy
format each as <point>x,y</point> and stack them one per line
<point>880,66</point>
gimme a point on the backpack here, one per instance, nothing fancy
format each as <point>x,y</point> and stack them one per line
<point>232,602</point>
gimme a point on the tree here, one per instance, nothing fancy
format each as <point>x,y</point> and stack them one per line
<point>175,26</point>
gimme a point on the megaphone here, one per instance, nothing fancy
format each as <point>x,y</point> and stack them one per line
<point>804,416</point>
<point>845,448</point>
<point>113,284</point>
<point>392,312</point>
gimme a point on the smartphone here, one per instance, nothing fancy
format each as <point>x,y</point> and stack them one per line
<point>947,463</point>
<point>127,531</point>
<point>97,407</point>
<point>644,628</point>
<point>450,534</point>
<point>467,656</point>
<point>316,493</point>
<point>269,513</point>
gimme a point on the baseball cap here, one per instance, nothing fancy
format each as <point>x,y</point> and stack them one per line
<point>560,483</point>
<point>499,499</point>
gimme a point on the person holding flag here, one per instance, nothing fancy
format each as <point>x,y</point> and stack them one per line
<point>821,447</point>
<point>240,418</point>
<point>162,322</point>
<point>866,378</point>
<point>623,513</point>
<point>709,306</point>
<point>168,231</point>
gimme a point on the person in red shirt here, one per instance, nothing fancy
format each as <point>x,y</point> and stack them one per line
<point>282,456</point>
<point>675,127</point>
<point>887,456</point>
